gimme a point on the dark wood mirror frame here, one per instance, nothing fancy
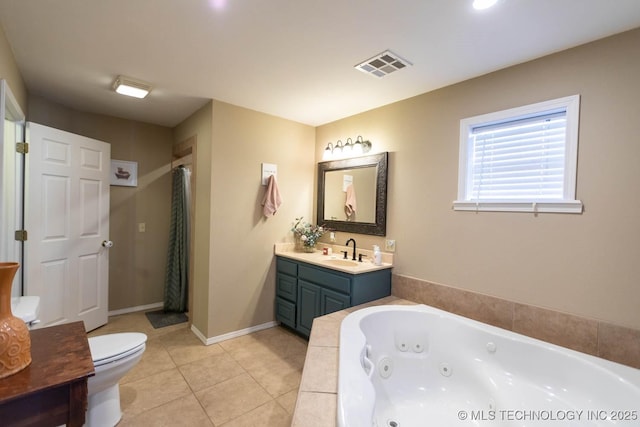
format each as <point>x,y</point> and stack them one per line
<point>380,162</point>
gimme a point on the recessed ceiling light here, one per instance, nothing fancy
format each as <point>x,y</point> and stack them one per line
<point>130,87</point>
<point>383,64</point>
<point>483,4</point>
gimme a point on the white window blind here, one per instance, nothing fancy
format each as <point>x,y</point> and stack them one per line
<point>521,159</point>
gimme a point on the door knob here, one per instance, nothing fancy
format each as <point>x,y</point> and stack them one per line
<point>107,243</point>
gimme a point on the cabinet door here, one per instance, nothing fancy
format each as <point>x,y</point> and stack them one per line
<point>308,306</point>
<point>331,301</point>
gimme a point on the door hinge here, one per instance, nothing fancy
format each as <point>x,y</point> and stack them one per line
<point>21,235</point>
<point>22,147</point>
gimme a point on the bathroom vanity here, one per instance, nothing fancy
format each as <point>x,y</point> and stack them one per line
<point>52,390</point>
<point>312,285</point>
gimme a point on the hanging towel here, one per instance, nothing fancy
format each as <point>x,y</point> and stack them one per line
<point>272,199</point>
<point>350,201</point>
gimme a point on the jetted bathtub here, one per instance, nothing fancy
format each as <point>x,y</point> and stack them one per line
<point>406,366</point>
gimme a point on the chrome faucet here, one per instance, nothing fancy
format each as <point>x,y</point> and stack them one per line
<point>354,247</point>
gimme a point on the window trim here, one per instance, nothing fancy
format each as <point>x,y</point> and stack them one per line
<point>568,204</point>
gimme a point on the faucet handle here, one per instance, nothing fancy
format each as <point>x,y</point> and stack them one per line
<point>360,257</point>
<point>345,254</point>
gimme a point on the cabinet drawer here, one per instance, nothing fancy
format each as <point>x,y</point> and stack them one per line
<point>326,279</point>
<point>286,287</point>
<point>287,267</point>
<point>286,312</point>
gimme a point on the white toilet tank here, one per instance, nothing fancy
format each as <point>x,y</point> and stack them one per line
<point>26,308</point>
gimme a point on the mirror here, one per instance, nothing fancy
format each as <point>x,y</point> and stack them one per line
<point>352,194</point>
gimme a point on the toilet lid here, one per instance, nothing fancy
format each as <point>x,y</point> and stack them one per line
<point>111,346</point>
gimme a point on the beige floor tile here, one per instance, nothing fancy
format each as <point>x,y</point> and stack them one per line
<point>232,398</point>
<point>270,414</point>
<point>276,341</point>
<point>260,359</point>
<point>288,401</point>
<point>134,322</point>
<point>276,376</point>
<point>210,371</point>
<point>251,380</point>
<point>184,347</point>
<point>154,360</point>
<point>185,411</point>
<point>150,392</point>
<point>321,370</point>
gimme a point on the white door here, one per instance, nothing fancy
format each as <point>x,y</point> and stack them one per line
<point>67,221</point>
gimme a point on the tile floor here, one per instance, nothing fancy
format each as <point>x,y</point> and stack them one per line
<point>251,380</point>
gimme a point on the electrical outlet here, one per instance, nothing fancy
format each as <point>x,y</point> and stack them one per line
<point>142,227</point>
<point>390,245</point>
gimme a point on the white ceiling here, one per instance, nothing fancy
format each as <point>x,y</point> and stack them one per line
<point>288,58</point>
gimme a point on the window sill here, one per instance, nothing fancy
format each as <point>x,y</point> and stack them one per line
<point>570,206</point>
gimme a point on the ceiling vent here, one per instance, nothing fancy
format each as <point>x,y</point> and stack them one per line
<point>383,64</point>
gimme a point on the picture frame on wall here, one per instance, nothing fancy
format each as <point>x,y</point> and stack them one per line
<point>124,173</point>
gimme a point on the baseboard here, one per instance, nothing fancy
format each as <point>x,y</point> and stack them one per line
<point>235,334</point>
<point>137,308</point>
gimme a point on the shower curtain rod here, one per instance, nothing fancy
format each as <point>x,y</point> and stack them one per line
<point>185,160</point>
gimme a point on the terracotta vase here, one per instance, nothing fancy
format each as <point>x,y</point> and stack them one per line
<point>15,341</point>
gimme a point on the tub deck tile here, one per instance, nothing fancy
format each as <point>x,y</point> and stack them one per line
<point>321,370</point>
<point>316,405</point>
<point>315,410</point>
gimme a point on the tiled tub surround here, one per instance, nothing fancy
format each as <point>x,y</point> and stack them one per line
<point>612,342</point>
<point>316,404</point>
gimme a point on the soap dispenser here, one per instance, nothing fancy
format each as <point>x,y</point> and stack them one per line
<point>377,255</point>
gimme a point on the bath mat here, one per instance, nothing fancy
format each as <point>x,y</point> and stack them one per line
<point>160,318</point>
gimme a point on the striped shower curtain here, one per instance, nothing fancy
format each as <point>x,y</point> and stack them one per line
<point>177,276</point>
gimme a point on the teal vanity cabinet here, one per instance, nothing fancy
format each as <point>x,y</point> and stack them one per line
<point>306,291</point>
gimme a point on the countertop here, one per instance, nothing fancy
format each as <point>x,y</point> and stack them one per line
<point>317,258</point>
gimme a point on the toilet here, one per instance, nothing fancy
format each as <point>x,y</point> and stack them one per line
<point>113,356</point>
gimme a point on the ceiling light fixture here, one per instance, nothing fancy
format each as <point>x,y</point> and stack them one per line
<point>483,4</point>
<point>130,87</point>
<point>383,64</point>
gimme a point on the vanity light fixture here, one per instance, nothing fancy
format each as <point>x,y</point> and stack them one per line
<point>130,87</point>
<point>383,64</point>
<point>348,149</point>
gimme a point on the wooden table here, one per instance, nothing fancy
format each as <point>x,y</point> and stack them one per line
<point>52,390</point>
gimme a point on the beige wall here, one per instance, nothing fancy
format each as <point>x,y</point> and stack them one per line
<point>137,261</point>
<point>235,272</point>
<point>242,286</point>
<point>581,264</point>
<point>9,71</point>
<point>199,125</point>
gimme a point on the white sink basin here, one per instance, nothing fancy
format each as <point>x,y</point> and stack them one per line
<point>342,262</point>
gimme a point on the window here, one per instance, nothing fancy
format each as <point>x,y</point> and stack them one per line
<point>522,159</point>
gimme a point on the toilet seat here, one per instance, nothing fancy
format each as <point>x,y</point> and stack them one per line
<point>112,347</point>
